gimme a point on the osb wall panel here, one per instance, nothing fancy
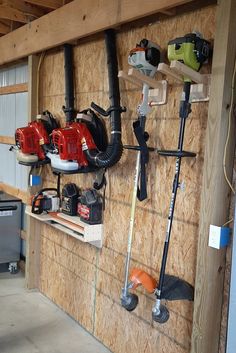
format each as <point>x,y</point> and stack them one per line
<point>86,282</point>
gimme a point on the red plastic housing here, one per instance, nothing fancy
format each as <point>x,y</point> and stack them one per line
<point>71,141</point>
<point>31,138</point>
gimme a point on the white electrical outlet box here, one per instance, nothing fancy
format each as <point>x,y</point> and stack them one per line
<point>218,237</point>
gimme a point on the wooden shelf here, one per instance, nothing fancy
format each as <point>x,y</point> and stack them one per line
<point>178,71</point>
<point>157,95</point>
<point>72,226</point>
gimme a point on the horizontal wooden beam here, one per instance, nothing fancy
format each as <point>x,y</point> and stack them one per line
<point>21,194</point>
<point>78,19</point>
<point>17,88</point>
<point>8,140</point>
<point>50,4</point>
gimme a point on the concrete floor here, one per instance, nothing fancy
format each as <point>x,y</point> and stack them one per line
<point>30,323</point>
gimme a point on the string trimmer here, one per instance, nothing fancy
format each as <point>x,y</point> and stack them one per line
<point>191,50</point>
<point>145,57</point>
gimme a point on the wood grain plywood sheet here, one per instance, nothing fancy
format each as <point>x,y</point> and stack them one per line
<point>149,236</point>
<point>84,251</point>
<point>55,104</point>
<point>112,321</point>
<point>75,266</point>
<point>90,66</point>
<point>52,74</point>
<point>68,291</point>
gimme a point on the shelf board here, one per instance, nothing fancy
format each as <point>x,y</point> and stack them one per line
<point>72,226</point>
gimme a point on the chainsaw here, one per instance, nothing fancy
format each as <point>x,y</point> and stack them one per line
<point>46,200</point>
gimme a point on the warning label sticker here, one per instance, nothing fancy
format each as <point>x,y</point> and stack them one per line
<point>5,213</point>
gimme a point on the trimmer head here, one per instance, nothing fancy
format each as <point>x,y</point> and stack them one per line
<point>141,278</point>
<point>161,315</point>
<point>174,288</point>
<point>129,301</point>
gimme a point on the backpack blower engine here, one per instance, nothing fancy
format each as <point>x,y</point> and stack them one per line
<point>87,132</point>
<point>33,141</point>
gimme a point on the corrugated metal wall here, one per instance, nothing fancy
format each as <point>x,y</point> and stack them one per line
<point>13,75</point>
<point>13,114</point>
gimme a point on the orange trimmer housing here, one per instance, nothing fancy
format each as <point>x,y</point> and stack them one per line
<point>141,278</point>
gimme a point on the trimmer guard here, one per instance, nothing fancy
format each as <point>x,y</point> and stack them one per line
<point>141,278</point>
<point>174,288</point>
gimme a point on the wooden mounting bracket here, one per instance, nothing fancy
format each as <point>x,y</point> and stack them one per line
<point>159,92</point>
<point>177,71</point>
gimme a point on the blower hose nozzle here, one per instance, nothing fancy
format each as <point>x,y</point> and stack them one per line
<point>114,150</point>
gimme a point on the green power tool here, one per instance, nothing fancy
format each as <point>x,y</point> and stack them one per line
<point>192,50</point>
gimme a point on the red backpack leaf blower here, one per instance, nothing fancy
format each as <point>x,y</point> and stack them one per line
<point>82,146</point>
<point>68,147</point>
<point>33,141</point>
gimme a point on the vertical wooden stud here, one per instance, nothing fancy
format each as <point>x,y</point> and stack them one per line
<point>33,226</point>
<point>215,192</point>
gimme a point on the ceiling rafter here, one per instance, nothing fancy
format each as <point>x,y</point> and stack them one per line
<point>4,29</point>
<point>15,13</point>
<point>9,13</point>
<point>5,22</point>
<point>27,9</point>
<point>50,4</point>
